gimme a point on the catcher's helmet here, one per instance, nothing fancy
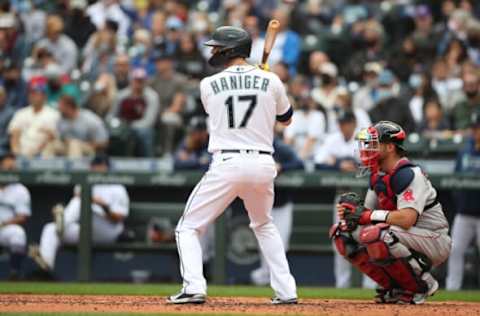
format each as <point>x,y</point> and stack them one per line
<point>232,41</point>
<point>370,138</point>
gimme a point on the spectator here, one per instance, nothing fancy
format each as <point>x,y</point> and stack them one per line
<point>338,148</point>
<point>103,95</point>
<point>110,208</point>
<point>12,42</point>
<point>307,130</point>
<point>13,82</point>
<point>138,106</point>
<point>81,132</point>
<point>404,60</point>
<point>60,45</point>
<point>325,95</point>
<point>455,55</point>
<point>372,36</point>
<point>58,84</point>
<point>434,124</point>
<point>141,51</point>
<point>32,130</point>
<point>78,25</point>
<point>7,161</point>
<point>447,88</point>
<point>463,110</point>
<point>170,87</point>
<point>6,114</point>
<point>473,40</point>
<point>287,44</point>
<point>281,70</point>
<point>315,61</point>
<point>364,98</point>
<point>105,10</point>
<point>466,224</point>
<point>193,151</point>
<point>121,71</point>
<point>343,103</point>
<point>422,89</point>
<point>250,24</point>
<point>192,63</point>
<point>425,37</point>
<point>100,49</point>
<point>389,106</point>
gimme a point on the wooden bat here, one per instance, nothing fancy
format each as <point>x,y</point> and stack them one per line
<point>272,30</point>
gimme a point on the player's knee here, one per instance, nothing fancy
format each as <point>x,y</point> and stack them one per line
<point>18,238</point>
<point>49,229</point>
<point>376,239</point>
<point>344,243</point>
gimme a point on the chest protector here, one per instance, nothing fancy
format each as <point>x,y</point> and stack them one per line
<point>388,185</point>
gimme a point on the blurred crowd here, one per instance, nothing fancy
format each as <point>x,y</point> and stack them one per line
<point>81,77</point>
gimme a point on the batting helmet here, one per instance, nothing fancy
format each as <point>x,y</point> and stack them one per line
<point>232,42</point>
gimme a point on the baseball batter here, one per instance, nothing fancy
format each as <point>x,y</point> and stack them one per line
<point>243,103</point>
<point>400,232</point>
<point>14,211</point>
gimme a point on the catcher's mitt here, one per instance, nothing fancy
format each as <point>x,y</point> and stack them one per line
<point>353,208</point>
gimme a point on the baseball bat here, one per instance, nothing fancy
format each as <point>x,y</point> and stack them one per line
<point>271,34</point>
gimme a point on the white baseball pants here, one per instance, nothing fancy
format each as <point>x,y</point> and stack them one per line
<point>14,238</point>
<point>103,231</point>
<point>248,176</point>
<point>282,217</point>
<point>464,229</point>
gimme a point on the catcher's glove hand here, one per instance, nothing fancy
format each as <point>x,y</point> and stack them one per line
<point>353,210</point>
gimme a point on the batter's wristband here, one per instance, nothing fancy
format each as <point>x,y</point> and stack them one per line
<point>379,216</point>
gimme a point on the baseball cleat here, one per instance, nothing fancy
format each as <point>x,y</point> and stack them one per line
<point>278,301</point>
<point>184,298</point>
<point>432,284</point>
<point>58,211</point>
<point>34,253</point>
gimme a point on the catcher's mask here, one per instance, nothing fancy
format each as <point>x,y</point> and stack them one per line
<point>369,150</point>
<point>369,140</point>
<point>230,42</point>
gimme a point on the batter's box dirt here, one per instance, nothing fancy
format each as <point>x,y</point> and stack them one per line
<point>220,305</point>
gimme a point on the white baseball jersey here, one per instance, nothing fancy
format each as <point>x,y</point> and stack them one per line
<point>114,195</point>
<point>243,103</point>
<point>14,200</point>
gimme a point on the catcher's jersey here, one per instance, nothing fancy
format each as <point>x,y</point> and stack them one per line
<point>243,103</point>
<point>14,200</point>
<point>418,195</point>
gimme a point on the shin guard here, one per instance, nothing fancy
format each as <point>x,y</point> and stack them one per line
<point>378,241</point>
<point>358,257</point>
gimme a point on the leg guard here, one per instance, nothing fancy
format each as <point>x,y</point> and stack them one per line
<point>384,249</point>
<point>358,257</point>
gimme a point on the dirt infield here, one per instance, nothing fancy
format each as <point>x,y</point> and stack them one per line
<point>220,305</point>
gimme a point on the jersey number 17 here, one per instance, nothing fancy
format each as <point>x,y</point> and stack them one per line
<point>252,99</point>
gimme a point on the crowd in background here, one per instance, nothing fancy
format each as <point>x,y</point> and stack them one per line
<point>80,77</point>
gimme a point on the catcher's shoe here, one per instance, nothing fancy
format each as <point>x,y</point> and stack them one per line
<point>279,301</point>
<point>386,296</point>
<point>34,253</point>
<point>58,212</point>
<point>184,298</point>
<point>432,284</point>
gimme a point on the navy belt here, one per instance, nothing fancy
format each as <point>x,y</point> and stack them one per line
<point>248,151</point>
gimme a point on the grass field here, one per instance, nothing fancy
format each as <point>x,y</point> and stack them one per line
<point>162,290</point>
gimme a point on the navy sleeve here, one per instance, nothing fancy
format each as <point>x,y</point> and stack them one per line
<point>402,179</point>
<point>286,116</point>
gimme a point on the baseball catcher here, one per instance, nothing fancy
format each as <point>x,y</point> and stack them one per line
<point>399,232</point>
